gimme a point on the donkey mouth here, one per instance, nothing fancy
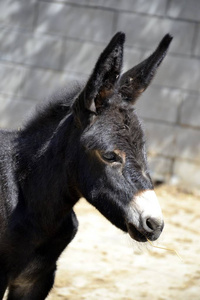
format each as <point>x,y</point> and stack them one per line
<point>142,235</point>
<point>135,234</point>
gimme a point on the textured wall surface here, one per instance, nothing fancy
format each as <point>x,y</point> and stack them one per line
<point>45,44</point>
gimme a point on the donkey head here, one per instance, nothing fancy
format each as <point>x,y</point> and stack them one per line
<point>114,175</point>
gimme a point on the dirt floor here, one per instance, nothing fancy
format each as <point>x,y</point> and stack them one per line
<point>103,263</point>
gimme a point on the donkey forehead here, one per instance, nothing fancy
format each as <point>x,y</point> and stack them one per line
<point>115,128</point>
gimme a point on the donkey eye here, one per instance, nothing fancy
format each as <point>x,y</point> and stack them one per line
<point>111,157</point>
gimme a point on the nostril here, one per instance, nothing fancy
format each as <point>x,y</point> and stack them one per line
<point>150,224</point>
<point>152,227</point>
<point>153,224</point>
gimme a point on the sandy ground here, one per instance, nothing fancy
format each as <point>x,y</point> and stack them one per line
<point>103,263</point>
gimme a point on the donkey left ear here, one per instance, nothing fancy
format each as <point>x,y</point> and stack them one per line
<point>136,80</point>
<point>102,81</point>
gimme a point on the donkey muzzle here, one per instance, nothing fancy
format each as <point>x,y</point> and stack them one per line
<point>145,218</point>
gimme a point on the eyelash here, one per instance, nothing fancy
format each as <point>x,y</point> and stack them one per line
<point>111,157</point>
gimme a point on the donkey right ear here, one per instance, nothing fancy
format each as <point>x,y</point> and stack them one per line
<point>136,80</point>
<point>103,79</point>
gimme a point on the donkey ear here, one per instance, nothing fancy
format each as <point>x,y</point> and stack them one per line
<point>105,74</point>
<point>136,80</point>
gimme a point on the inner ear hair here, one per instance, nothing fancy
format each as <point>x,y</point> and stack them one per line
<point>102,98</point>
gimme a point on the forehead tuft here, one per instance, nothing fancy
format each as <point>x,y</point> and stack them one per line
<point>118,127</point>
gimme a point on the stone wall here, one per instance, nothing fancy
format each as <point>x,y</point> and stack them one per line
<point>45,44</point>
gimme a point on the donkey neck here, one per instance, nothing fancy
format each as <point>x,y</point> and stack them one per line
<point>47,171</point>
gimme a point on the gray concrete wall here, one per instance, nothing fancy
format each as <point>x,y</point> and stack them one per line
<point>44,44</point>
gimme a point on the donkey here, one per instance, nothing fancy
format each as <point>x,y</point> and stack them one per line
<point>89,143</point>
